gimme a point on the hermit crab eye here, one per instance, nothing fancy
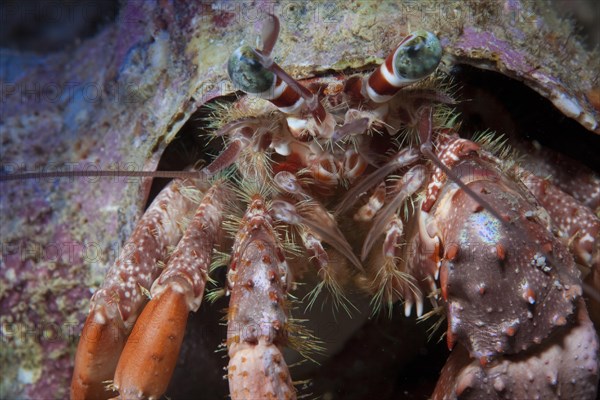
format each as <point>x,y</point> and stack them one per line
<point>247,73</point>
<point>418,56</point>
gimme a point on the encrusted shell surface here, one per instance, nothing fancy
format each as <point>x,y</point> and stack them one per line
<point>119,98</point>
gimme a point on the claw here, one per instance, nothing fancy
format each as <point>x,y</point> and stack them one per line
<point>94,364</point>
<point>567,365</point>
<point>479,250</point>
<point>149,357</point>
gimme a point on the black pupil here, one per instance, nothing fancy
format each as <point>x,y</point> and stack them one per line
<point>252,63</point>
<point>414,50</point>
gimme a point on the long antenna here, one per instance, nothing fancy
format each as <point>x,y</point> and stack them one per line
<point>103,173</point>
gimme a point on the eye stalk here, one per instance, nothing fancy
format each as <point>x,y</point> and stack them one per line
<point>248,74</point>
<point>254,72</point>
<point>417,56</point>
<point>247,71</point>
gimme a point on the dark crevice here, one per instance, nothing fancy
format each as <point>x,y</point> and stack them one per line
<point>492,101</point>
<point>193,146</point>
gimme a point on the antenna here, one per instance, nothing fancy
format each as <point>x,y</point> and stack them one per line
<point>4,177</point>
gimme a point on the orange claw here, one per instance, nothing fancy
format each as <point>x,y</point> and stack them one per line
<point>93,364</point>
<point>148,360</point>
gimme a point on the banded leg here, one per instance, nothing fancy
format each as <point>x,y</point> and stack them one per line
<point>257,321</point>
<point>149,357</point>
<point>115,307</point>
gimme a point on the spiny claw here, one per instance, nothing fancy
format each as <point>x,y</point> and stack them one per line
<point>568,365</point>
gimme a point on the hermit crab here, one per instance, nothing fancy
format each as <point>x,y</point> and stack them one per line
<point>469,222</point>
<point>362,182</point>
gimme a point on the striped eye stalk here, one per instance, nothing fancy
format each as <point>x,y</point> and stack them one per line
<point>415,58</point>
<point>249,75</point>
